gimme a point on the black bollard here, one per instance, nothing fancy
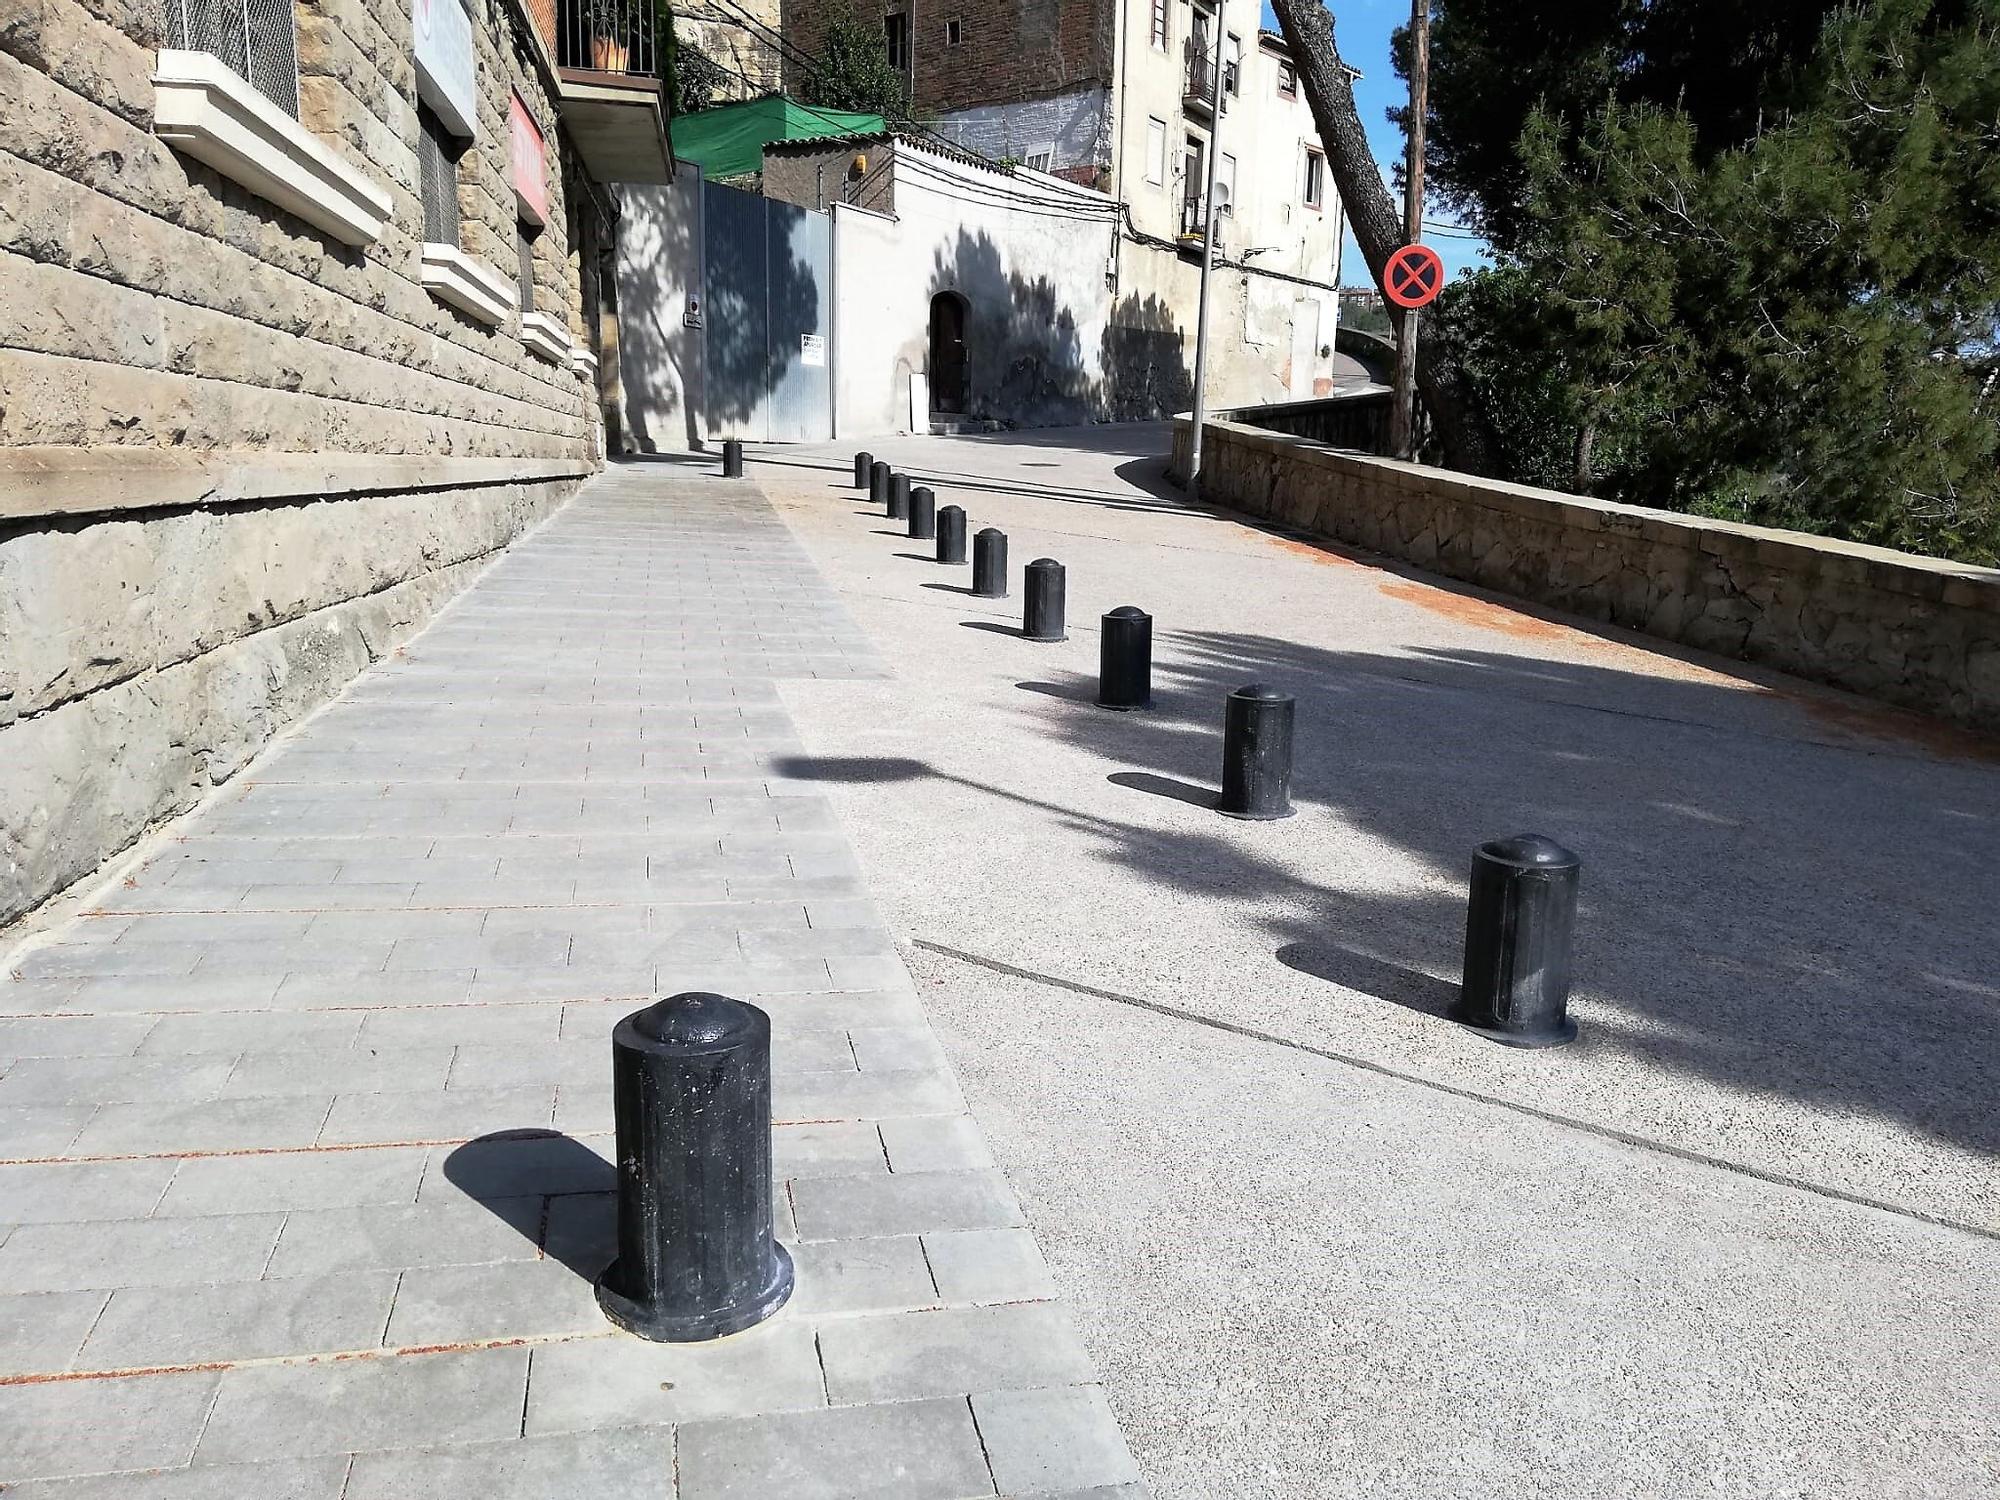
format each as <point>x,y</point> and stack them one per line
<point>989,563</point>
<point>732,459</point>
<point>951,534</point>
<point>863,462</point>
<point>1518,922</point>
<point>878,482</point>
<point>1042,618</point>
<point>1125,659</point>
<point>1256,754</point>
<point>923,514</point>
<point>899,497</point>
<point>691,1088</point>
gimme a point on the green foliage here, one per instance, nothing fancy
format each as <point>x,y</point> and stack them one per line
<point>694,79</point>
<point>1798,329</point>
<point>852,71</point>
<point>1727,65</point>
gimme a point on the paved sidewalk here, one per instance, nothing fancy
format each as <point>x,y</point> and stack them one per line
<point>304,1124</point>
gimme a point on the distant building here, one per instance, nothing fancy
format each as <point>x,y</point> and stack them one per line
<point>1117,95</point>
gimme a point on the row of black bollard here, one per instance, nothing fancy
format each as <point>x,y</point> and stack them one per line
<point>951,535</point>
<point>698,1257</point>
<point>732,459</point>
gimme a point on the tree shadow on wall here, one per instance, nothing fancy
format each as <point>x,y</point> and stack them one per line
<point>659,363</point>
<point>757,284</point>
<point>1023,353</point>
<point>1024,347</point>
<point>1143,356</point>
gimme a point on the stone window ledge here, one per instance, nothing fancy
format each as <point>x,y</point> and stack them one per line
<point>546,337</point>
<point>582,361</point>
<point>202,108</point>
<point>467,283</point>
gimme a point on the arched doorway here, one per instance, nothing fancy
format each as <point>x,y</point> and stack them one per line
<point>948,353</point>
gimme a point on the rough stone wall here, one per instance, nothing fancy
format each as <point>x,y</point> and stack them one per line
<point>146,301</point>
<point>150,656</point>
<point>1915,631</point>
<point>821,176</point>
<point>159,321</point>
<point>1008,51</point>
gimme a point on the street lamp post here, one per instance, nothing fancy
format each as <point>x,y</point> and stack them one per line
<point>1207,259</point>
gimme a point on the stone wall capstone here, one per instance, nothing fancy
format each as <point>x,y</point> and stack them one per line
<point>1919,632</point>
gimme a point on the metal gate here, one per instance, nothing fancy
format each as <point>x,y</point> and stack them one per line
<point>767,306</point>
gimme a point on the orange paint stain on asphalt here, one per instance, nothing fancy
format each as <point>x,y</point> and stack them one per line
<point>1484,614</point>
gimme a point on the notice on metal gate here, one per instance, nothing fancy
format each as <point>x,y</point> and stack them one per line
<point>812,349</point>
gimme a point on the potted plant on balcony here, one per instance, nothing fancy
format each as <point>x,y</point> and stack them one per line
<point>610,35</point>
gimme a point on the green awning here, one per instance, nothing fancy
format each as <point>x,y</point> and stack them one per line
<point>729,141</point>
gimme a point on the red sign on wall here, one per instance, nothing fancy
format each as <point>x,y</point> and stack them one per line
<point>529,157</point>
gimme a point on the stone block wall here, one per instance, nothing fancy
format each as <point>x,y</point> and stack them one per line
<point>1919,632</point>
<point>239,459</point>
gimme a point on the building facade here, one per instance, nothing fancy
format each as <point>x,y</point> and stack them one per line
<point>1118,95</point>
<point>300,319</point>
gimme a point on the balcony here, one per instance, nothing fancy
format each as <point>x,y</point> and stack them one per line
<point>1198,78</point>
<point>1194,223</point>
<point>608,60</point>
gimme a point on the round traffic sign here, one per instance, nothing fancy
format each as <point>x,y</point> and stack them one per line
<point>1413,277</point>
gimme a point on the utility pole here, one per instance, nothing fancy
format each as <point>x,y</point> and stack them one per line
<point>1403,414</point>
<point>1214,163</point>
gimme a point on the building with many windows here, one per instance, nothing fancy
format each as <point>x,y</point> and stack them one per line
<point>301,317</point>
<point>1119,96</point>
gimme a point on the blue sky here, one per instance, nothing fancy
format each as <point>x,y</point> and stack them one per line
<point>1362,28</point>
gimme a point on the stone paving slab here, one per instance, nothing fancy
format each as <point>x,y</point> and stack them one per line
<point>305,1120</point>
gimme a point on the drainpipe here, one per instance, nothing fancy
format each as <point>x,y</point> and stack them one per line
<point>833,320</point>
<point>1207,258</point>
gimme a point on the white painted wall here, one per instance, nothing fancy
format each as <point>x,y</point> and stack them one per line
<point>660,360</point>
<point>1029,254</point>
<point>878,326</point>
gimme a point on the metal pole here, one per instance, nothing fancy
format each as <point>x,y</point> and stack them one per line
<point>1403,413</point>
<point>1207,259</point>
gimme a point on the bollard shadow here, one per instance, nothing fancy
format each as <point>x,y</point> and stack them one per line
<point>916,556</point>
<point>1368,975</point>
<point>901,536</point>
<point>950,588</point>
<point>849,768</point>
<point>994,627</point>
<point>1068,692</point>
<point>553,1189</point>
<point>1166,786</point>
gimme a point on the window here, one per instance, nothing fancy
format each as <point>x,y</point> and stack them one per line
<point>1225,184</point>
<point>437,177</point>
<point>951,34</point>
<point>1041,158</point>
<point>1288,80</point>
<point>1315,178</point>
<point>896,34</point>
<point>1232,62</point>
<point>524,248</point>
<point>255,39</point>
<point>1156,150</point>
<point>1160,24</point>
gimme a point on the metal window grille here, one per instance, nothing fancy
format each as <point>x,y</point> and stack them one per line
<point>607,36</point>
<point>254,38</point>
<point>437,174</point>
<point>524,279</point>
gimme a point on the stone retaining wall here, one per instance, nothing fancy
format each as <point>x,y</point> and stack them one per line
<point>240,457</point>
<point>1915,631</point>
<point>148,656</point>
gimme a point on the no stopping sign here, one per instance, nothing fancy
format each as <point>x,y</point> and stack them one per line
<point>1413,276</point>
